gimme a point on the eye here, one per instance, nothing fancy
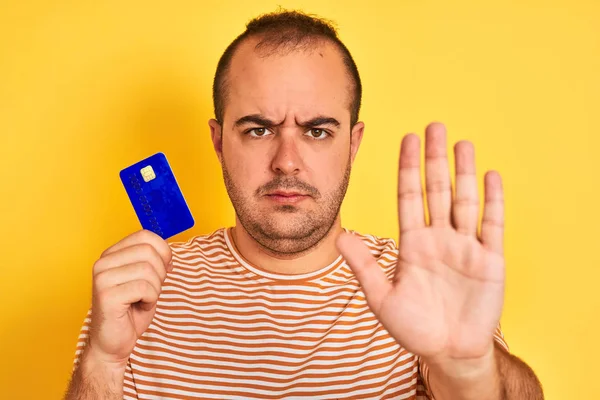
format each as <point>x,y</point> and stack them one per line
<point>258,132</point>
<point>318,134</point>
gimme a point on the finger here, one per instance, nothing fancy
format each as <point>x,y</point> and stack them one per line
<point>370,275</point>
<point>143,252</point>
<point>492,224</point>
<point>411,214</point>
<point>132,272</point>
<point>143,236</point>
<point>465,207</point>
<point>132,292</point>
<point>437,175</point>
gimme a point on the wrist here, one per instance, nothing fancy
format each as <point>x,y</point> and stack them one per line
<point>474,378</point>
<point>106,374</point>
<point>463,368</point>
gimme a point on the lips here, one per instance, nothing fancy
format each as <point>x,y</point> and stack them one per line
<point>286,194</point>
<point>287,197</point>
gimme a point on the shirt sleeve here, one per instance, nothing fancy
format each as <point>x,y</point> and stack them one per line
<point>82,339</point>
<point>422,393</point>
<point>129,390</point>
<point>424,369</point>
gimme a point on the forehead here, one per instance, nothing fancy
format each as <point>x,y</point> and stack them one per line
<point>303,82</point>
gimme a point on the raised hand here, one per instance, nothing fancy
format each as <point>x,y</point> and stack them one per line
<point>446,297</point>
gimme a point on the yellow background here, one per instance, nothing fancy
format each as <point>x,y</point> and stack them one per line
<point>87,88</point>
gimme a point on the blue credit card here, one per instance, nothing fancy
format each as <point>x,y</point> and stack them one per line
<point>156,196</point>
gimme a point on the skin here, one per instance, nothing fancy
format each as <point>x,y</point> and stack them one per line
<point>287,153</point>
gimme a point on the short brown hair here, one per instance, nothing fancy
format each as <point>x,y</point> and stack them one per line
<point>285,31</point>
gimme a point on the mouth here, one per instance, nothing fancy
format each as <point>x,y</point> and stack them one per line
<point>287,197</point>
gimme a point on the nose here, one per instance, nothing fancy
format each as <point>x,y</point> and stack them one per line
<point>287,160</point>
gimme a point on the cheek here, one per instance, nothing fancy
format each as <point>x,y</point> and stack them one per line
<point>327,172</point>
<point>248,170</point>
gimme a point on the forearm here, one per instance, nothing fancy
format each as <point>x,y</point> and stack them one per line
<point>504,377</point>
<point>92,381</point>
<point>518,379</point>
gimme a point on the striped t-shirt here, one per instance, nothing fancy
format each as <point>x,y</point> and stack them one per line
<point>227,329</point>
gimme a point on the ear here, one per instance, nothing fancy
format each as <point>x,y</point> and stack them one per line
<point>355,138</point>
<point>216,135</point>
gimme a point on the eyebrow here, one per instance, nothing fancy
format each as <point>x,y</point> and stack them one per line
<point>257,119</point>
<point>319,121</point>
<point>261,120</point>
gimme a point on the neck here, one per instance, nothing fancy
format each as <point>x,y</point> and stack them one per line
<point>319,256</point>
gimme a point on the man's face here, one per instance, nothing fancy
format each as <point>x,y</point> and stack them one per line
<point>286,143</point>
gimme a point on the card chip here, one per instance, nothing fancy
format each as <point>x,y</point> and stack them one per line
<point>148,173</point>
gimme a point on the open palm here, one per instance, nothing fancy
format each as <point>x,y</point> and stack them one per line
<point>446,297</point>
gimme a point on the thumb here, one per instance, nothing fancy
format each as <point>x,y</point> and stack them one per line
<point>370,275</point>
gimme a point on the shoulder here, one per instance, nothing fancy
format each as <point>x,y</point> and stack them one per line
<point>201,243</point>
<point>382,248</point>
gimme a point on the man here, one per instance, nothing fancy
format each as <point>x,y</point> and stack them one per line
<point>287,303</point>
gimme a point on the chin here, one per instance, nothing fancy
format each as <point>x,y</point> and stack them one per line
<point>286,226</point>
